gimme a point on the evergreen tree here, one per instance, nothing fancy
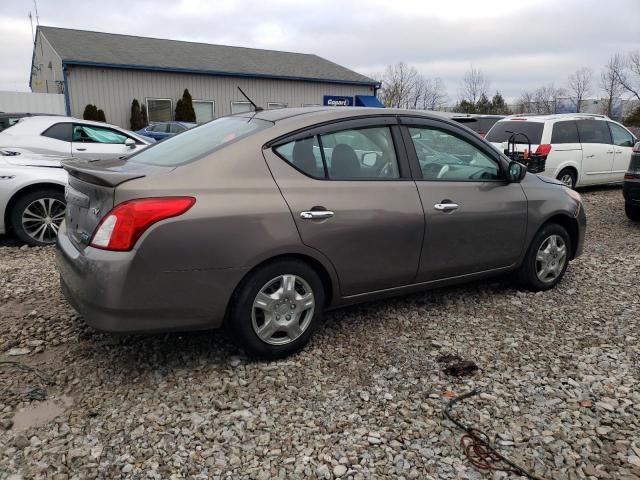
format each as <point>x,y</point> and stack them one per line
<point>498,105</point>
<point>145,117</point>
<point>90,112</point>
<point>483,105</point>
<point>101,116</point>
<point>633,119</point>
<point>466,107</point>
<point>136,116</point>
<point>184,108</point>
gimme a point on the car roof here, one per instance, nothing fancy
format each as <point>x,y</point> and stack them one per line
<point>556,116</point>
<point>321,114</point>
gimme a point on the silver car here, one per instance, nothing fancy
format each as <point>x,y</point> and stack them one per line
<point>261,221</point>
<point>72,137</point>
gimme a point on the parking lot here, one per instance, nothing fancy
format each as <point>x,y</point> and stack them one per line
<point>558,371</point>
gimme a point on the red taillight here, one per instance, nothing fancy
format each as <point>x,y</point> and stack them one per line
<point>629,176</point>
<point>543,149</point>
<point>121,228</point>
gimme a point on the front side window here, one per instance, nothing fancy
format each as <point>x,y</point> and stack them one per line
<point>364,153</point>
<point>446,157</point>
<point>240,107</point>
<point>91,134</point>
<point>159,109</point>
<point>275,105</point>
<point>204,110</point>
<point>565,132</point>
<point>197,142</point>
<point>593,131</point>
<point>620,136</point>
<point>59,131</point>
<point>176,128</point>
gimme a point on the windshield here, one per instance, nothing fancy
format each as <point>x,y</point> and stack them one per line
<point>200,141</point>
<point>501,131</point>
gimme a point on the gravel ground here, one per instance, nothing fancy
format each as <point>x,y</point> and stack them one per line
<point>558,371</point>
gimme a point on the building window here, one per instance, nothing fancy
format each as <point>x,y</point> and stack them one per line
<point>275,105</point>
<point>311,105</point>
<point>159,109</point>
<point>240,107</point>
<point>205,110</point>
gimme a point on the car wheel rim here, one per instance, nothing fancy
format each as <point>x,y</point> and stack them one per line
<point>282,310</point>
<point>567,179</point>
<point>551,258</point>
<point>41,219</point>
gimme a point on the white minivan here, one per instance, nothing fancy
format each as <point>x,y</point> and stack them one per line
<point>581,149</point>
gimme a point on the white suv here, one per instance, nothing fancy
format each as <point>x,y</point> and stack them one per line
<point>581,149</point>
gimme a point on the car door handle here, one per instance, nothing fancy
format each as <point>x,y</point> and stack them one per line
<point>591,156</point>
<point>618,151</point>
<point>445,207</point>
<point>609,151</point>
<point>316,214</point>
<point>80,149</point>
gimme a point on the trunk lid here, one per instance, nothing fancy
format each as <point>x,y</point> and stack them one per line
<point>91,190</point>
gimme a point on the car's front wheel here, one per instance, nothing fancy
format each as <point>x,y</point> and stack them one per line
<point>277,309</point>
<point>632,211</point>
<point>37,215</point>
<point>547,259</point>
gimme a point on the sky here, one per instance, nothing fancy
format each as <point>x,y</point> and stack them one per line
<point>518,44</point>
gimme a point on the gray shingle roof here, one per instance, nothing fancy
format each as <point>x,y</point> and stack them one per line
<point>82,46</point>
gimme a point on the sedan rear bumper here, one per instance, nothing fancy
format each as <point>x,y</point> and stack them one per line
<point>115,292</point>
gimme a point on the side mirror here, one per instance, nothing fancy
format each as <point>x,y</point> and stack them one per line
<point>369,159</point>
<point>517,172</point>
<point>130,143</point>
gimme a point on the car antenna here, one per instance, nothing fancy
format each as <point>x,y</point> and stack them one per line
<point>255,107</point>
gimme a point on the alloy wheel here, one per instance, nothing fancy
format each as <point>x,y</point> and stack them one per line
<point>282,310</point>
<point>567,179</point>
<point>551,258</point>
<point>41,219</point>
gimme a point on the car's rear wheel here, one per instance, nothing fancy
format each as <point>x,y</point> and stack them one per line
<point>632,211</point>
<point>277,309</point>
<point>37,215</point>
<point>547,259</point>
<point>568,177</point>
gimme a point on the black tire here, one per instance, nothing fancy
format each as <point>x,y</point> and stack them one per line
<point>632,211</point>
<point>527,273</point>
<point>568,173</point>
<point>241,323</point>
<point>21,205</point>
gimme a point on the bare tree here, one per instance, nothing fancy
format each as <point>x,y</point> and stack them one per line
<point>629,75</point>
<point>525,103</point>
<point>579,86</point>
<point>545,98</point>
<point>435,94</point>
<point>610,82</point>
<point>398,85</point>
<point>474,85</point>
<point>416,94</point>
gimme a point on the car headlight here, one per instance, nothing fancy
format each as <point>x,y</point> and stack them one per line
<point>573,194</point>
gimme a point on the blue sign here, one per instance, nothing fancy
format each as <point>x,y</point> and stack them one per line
<point>336,101</point>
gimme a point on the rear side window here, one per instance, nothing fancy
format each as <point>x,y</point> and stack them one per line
<point>59,131</point>
<point>501,131</point>
<point>364,153</point>
<point>565,132</point>
<point>197,142</point>
<point>593,131</point>
<point>620,136</point>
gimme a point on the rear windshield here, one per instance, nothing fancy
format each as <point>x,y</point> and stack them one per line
<point>198,142</point>
<point>501,131</point>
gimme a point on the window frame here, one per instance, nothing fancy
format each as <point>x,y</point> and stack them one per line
<point>171,109</point>
<point>335,126</point>
<point>243,102</point>
<point>213,108</point>
<point>281,105</point>
<point>454,130</point>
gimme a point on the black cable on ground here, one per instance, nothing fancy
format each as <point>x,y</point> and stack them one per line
<point>35,393</point>
<point>476,446</point>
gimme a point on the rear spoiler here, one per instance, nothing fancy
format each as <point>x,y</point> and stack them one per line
<point>106,173</point>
